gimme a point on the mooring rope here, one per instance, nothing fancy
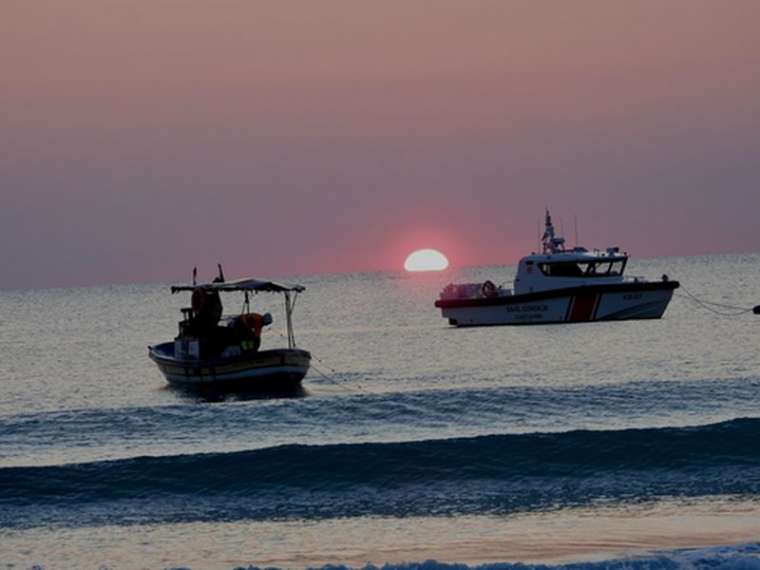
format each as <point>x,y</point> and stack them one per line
<point>331,380</point>
<point>735,310</point>
<point>359,389</point>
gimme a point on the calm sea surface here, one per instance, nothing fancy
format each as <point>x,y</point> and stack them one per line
<point>412,440</point>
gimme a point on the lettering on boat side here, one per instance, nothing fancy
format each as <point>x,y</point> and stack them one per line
<point>526,308</point>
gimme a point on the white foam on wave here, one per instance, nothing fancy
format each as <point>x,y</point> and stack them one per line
<point>738,557</point>
<point>719,532</point>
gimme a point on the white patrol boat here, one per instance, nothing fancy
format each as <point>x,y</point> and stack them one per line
<point>559,286</point>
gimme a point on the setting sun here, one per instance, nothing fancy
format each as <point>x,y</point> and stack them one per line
<point>426,260</point>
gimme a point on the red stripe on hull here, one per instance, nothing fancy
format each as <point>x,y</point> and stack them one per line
<point>583,307</point>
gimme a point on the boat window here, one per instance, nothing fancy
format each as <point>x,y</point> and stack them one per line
<point>598,269</point>
<point>561,269</point>
<point>582,269</point>
<point>617,267</point>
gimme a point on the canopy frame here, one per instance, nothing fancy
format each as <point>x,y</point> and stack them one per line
<point>250,285</point>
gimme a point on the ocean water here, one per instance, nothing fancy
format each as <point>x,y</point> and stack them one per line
<point>413,444</point>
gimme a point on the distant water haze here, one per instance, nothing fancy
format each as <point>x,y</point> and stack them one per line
<point>138,140</point>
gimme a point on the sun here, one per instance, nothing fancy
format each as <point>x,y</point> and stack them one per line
<point>426,260</point>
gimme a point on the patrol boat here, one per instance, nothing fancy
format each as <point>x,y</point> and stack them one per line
<point>222,352</point>
<point>559,285</point>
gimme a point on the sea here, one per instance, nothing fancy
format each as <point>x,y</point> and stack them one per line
<point>413,444</point>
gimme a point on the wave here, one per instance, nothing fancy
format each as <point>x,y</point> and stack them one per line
<point>486,474</point>
<point>120,433</point>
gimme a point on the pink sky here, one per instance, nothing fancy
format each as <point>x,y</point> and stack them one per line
<point>138,139</point>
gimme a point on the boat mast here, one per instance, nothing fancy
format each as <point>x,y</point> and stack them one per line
<point>551,243</point>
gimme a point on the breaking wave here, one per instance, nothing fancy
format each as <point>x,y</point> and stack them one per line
<point>486,474</point>
<point>741,557</point>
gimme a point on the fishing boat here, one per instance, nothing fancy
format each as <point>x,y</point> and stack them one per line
<point>223,352</point>
<point>559,285</point>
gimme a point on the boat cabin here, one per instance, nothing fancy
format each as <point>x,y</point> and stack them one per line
<point>558,268</point>
<point>541,272</point>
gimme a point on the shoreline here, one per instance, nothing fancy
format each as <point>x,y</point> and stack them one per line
<point>589,534</point>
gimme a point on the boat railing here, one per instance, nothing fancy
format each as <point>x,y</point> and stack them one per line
<point>473,291</point>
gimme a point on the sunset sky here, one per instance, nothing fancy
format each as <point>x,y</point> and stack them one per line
<point>141,138</point>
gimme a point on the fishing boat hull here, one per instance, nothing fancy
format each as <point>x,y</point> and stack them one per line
<point>609,302</point>
<point>279,369</point>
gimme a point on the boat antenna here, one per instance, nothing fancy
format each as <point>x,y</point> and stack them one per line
<point>221,273</point>
<point>195,276</point>
<point>576,230</point>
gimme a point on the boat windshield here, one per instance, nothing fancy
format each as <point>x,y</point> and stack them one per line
<point>583,268</point>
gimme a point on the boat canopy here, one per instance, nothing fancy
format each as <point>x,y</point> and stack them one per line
<point>247,284</point>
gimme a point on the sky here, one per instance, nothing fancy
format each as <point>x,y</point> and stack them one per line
<point>141,138</point>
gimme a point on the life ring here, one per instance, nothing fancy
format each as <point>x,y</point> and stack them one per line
<point>488,289</point>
